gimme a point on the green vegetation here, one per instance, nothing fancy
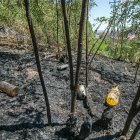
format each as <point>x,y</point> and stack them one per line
<point>44,14</point>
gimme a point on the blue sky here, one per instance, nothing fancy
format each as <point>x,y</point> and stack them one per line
<point>102,9</point>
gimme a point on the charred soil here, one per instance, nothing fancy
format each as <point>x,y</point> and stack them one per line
<point>24,116</point>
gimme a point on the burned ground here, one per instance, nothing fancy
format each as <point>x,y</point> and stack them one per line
<point>24,116</point>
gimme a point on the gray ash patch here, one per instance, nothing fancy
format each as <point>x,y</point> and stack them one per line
<point>24,116</point>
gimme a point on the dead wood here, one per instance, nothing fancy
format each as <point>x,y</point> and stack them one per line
<point>9,89</point>
<point>62,67</point>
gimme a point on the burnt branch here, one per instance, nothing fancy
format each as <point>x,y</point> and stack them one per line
<point>35,46</point>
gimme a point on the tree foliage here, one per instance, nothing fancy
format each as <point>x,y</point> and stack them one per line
<point>123,39</point>
<point>44,17</point>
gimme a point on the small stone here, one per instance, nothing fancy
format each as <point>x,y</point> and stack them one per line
<point>62,67</point>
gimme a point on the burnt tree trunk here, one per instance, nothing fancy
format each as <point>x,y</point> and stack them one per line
<point>35,46</point>
<point>87,47</point>
<point>79,52</point>
<point>57,28</point>
<point>66,26</point>
<point>69,13</point>
<point>65,47</point>
<point>135,131</point>
<point>132,113</point>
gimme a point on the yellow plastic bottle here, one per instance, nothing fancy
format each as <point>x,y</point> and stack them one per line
<point>112,98</point>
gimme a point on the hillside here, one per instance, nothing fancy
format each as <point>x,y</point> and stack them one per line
<point>62,78</point>
<point>24,116</point>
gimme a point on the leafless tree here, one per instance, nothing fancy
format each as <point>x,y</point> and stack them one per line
<point>87,46</point>
<point>35,46</point>
<point>57,28</point>
<point>79,52</point>
<point>68,43</point>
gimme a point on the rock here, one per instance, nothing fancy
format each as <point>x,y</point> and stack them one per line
<point>86,129</point>
<point>62,67</point>
<point>107,116</point>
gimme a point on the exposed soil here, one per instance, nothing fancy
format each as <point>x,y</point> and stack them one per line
<point>24,116</point>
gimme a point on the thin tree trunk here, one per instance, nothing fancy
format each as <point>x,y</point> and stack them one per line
<point>100,44</point>
<point>91,49</point>
<point>68,45</point>
<point>122,41</point>
<point>35,46</point>
<point>75,23</point>
<point>70,3</point>
<point>135,131</point>
<point>95,44</point>
<point>79,52</point>
<point>132,113</point>
<point>57,28</point>
<point>87,47</point>
<point>66,52</point>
